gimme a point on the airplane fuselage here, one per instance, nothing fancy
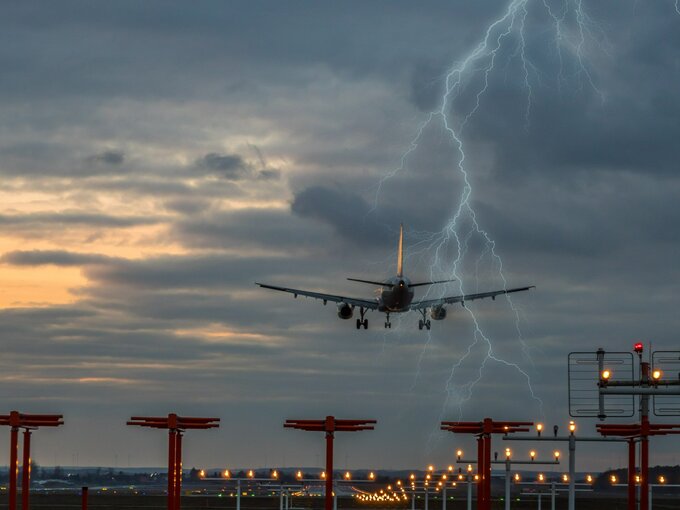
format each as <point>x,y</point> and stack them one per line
<point>396,297</point>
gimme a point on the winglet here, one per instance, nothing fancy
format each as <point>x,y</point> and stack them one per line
<point>400,255</point>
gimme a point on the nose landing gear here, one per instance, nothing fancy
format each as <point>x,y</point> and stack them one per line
<point>388,324</point>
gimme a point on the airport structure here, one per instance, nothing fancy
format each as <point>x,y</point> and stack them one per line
<point>176,425</point>
<point>28,422</point>
<point>330,425</point>
<point>484,430</point>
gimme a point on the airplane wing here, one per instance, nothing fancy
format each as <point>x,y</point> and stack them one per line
<point>428,303</point>
<point>365,303</point>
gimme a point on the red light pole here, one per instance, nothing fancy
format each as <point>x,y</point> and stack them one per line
<point>640,431</point>
<point>330,425</point>
<point>483,430</point>
<point>176,425</point>
<point>648,384</point>
<point>28,422</point>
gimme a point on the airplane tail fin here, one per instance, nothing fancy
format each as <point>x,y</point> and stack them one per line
<point>400,254</point>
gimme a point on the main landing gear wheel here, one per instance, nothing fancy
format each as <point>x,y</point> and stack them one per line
<point>362,321</point>
<point>424,323</point>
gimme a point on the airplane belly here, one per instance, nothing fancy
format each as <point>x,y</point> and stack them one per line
<point>396,300</point>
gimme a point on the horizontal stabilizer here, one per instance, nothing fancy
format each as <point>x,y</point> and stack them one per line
<point>380,284</point>
<point>430,283</point>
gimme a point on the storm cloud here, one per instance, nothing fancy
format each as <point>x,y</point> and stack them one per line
<point>158,159</point>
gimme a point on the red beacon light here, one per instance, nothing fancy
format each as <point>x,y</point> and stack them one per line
<point>638,347</point>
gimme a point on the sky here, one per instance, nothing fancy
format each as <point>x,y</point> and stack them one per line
<point>157,159</point>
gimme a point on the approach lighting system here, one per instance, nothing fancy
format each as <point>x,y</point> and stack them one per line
<point>330,425</point>
<point>539,429</point>
<point>176,426</point>
<point>29,422</point>
<point>638,347</point>
<point>657,374</point>
<point>572,427</point>
<point>484,430</point>
<point>532,454</point>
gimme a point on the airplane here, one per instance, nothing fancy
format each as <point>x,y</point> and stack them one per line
<point>394,296</point>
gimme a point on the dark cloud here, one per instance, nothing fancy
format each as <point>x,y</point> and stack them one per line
<point>229,166</point>
<point>56,258</point>
<point>427,85</point>
<point>346,212</point>
<point>109,157</point>
<point>581,200</point>
<point>73,218</point>
<point>269,174</point>
<point>233,167</point>
<point>271,230</point>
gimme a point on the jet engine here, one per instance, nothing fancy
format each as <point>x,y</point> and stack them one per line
<point>438,313</point>
<point>345,311</point>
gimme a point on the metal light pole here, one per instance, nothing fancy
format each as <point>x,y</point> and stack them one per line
<point>571,439</point>
<point>552,496</point>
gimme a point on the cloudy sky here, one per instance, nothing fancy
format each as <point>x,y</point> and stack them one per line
<point>157,159</point>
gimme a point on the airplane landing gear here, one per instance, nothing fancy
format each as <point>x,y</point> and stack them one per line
<point>424,322</point>
<point>388,324</point>
<point>362,322</point>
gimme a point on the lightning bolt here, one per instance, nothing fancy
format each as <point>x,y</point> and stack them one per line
<point>572,28</point>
